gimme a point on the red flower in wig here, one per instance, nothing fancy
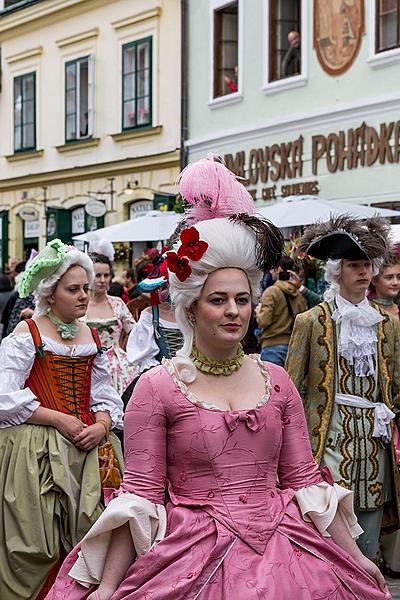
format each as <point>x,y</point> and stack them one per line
<point>178,265</point>
<point>192,246</point>
<point>164,269</point>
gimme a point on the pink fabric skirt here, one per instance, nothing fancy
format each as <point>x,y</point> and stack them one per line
<point>200,559</point>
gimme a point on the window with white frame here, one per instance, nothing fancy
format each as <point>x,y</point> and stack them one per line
<point>284,39</point>
<point>137,84</point>
<point>79,99</point>
<point>226,49</point>
<point>25,112</point>
<point>387,25</point>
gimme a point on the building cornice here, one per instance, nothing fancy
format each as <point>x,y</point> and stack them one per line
<point>126,166</point>
<point>34,16</point>
<point>24,55</point>
<point>79,37</point>
<point>294,122</point>
<point>153,13</point>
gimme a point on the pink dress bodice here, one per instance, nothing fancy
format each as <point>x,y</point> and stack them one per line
<point>227,462</point>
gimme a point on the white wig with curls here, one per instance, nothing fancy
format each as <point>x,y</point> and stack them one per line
<point>47,286</point>
<point>332,273</point>
<point>230,245</point>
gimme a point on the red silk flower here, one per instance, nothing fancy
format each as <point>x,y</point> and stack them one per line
<point>178,265</point>
<point>164,269</point>
<point>192,246</point>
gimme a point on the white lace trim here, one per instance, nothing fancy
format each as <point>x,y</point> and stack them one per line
<point>169,365</point>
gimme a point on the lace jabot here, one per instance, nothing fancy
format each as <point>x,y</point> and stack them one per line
<point>358,333</point>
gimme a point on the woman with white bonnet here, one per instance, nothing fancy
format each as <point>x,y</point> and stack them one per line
<point>56,406</point>
<point>221,497</point>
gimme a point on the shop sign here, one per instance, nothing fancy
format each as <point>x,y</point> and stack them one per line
<point>95,208</point>
<point>31,229</point>
<point>78,220</point>
<point>362,146</point>
<point>29,213</point>
<point>138,209</point>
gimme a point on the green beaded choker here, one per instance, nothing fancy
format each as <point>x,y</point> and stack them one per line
<point>217,367</point>
<point>383,301</point>
<point>67,330</point>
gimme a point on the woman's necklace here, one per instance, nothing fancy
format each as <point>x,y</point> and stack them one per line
<point>217,367</point>
<point>67,331</point>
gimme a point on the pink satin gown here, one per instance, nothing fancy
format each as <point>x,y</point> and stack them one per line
<point>232,531</point>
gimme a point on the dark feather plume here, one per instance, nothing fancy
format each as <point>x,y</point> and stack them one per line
<point>269,240</point>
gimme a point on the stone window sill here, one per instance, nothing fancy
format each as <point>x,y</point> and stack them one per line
<point>78,145</point>
<point>132,134</point>
<point>24,155</point>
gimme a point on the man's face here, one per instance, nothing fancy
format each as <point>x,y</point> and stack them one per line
<point>294,39</point>
<point>355,276</point>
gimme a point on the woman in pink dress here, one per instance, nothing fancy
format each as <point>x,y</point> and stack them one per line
<point>221,496</point>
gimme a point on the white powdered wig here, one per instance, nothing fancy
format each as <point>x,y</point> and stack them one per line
<point>332,272</point>
<point>47,286</point>
<point>230,245</point>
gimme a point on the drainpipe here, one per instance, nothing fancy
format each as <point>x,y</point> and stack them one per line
<point>184,81</point>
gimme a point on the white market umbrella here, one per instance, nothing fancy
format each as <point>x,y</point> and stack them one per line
<point>395,232</point>
<point>153,226</point>
<point>295,211</point>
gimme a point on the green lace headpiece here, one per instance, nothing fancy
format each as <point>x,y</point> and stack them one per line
<point>44,266</point>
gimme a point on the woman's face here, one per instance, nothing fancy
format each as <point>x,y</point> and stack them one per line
<point>387,285</point>
<point>70,298</point>
<point>223,310</point>
<point>102,278</point>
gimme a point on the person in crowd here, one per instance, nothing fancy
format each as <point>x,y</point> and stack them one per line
<point>56,405</point>
<point>291,63</point>
<point>383,290</point>
<point>345,353</point>
<point>6,291</point>
<point>110,317</point>
<point>129,276</point>
<point>117,289</point>
<point>18,308</point>
<point>280,303</point>
<point>217,429</point>
<point>156,335</point>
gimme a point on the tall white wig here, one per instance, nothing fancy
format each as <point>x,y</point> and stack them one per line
<point>46,287</point>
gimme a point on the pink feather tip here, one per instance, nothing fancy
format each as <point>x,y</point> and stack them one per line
<point>213,191</point>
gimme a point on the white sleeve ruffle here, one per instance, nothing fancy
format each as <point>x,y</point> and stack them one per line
<point>17,354</point>
<point>141,348</point>
<point>320,502</point>
<point>147,523</point>
<point>103,396</point>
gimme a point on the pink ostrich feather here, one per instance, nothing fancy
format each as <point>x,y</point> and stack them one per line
<point>213,191</point>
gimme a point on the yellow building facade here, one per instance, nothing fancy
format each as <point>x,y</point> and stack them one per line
<point>89,115</point>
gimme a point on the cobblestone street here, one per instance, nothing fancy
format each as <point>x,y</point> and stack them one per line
<point>394,587</point>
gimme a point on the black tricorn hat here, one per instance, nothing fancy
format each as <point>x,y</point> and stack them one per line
<point>346,237</point>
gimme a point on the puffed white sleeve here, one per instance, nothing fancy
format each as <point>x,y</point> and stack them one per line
<point>103,396</point>
<point>319,503</point>
<point>17,403</point>
<point>141,348</point>
<point>128,322</point>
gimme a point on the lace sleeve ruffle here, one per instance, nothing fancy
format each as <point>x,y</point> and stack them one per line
<point>320,502</point>
<point>147,523</point>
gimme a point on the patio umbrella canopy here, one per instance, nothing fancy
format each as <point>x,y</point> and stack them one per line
<point>295,211</point>
<point>151,227</point>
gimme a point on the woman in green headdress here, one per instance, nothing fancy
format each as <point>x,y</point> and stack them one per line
<point>56,406</point>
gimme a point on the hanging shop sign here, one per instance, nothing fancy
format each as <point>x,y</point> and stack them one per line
<point>78,220</point>
<point>95,208</point>
<point>349,149</point>
<point>29,213</point>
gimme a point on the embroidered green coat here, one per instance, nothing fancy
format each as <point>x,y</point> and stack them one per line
<point>312,364</point>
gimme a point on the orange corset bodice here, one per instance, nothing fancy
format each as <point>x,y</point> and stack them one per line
<point>61,382</point>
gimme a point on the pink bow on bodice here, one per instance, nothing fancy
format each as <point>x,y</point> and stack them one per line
<point>249,417</point>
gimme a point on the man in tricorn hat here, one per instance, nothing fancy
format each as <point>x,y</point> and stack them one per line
<point>345,355</point>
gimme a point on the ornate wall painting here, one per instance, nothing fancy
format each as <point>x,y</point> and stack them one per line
<point>338,29</point>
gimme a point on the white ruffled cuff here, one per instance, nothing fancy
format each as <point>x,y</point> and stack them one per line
<point>320,502</point>
<point>147,522</point>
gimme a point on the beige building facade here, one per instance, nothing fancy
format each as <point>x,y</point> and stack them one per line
<point>89,115</point>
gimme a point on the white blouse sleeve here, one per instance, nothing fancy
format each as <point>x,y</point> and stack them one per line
<point>141,348</point>
<point>147,524</point>
<point>320,502</point>
<point>103,396</point>
<point>17,355</point>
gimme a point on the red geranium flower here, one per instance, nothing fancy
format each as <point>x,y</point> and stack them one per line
<point>178,265</point>
<point>192,247</point>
